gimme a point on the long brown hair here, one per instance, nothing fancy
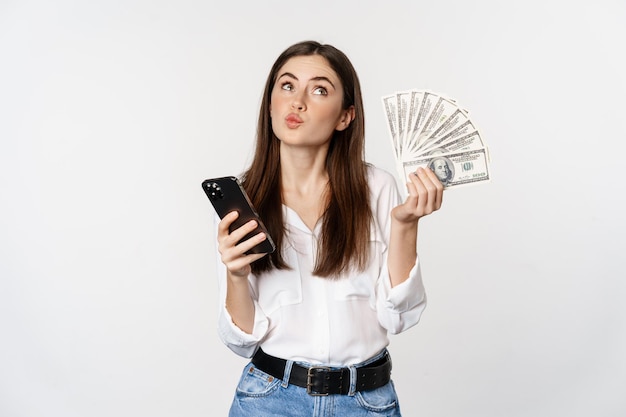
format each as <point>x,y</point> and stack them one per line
<point>346,221</point>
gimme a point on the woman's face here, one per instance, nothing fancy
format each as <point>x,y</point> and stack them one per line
<point>306,102</point>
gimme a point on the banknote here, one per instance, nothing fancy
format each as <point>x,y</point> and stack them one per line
<point>442,109</point>
<point>415,100</point>
<point>402,105</point>
<point>455,169</point>
<point>391,114</point>
<point>471,141</point>
<point>432,129</point>
<point>433,141</point>
<point>419,119</point>
<point>449,121</point>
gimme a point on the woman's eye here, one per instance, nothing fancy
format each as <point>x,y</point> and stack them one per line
<point>320,91</point>
<point>287,86</point>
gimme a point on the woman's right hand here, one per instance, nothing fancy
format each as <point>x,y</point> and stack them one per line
<point>234,255</point>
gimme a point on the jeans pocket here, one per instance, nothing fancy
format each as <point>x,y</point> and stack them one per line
<point>378,400</point>
<point>256,383</point>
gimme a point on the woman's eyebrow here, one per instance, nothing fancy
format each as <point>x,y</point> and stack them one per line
<point>324,79</point>
<point>287,74</point>
<point>320,78</point>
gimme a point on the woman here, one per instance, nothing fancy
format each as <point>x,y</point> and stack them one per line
<point>315,314</point>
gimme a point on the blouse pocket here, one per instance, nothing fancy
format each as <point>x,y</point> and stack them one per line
<point>362,285</point>
<point>281,287</point>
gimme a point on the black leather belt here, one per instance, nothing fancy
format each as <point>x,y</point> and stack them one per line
<point>322,380</point>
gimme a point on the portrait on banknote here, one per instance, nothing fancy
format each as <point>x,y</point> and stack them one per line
<point>443,169</point>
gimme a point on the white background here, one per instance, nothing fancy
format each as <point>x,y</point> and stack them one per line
<point>113,112</point>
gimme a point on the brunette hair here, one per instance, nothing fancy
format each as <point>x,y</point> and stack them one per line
<point>346,221</point>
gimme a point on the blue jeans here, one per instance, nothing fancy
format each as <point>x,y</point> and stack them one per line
<point>261,395</point>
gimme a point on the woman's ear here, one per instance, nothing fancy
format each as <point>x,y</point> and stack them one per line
<point>346,118</point>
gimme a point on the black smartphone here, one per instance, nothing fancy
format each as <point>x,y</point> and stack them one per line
<point>226,194</point>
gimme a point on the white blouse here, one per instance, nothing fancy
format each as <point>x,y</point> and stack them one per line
<point>340,321</point>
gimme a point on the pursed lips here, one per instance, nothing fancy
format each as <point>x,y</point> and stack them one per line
<point>293,120</point>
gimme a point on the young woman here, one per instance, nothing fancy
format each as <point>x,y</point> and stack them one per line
<point>315,315</point>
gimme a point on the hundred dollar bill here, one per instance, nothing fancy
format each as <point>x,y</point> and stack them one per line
<point>433,142</point>
<point>402,104</point>
<point>415,99</point>
<point>455,169</point>
<point>412,150</point>
<point>450,122</point>
<point>442,110</point>
<point>419,120</point>
<point>389,105</point>
<point>469,142</point>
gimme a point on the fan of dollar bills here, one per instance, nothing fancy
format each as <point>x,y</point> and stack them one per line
<point>431,130</point>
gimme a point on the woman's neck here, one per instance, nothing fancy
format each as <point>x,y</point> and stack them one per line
<point>304,182</point>
<point>303,169</point>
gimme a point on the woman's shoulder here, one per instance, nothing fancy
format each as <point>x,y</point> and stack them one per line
<point>379,178</point>
<point>384,194</point>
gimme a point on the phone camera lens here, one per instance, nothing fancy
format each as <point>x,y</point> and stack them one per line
<point>215,191</point>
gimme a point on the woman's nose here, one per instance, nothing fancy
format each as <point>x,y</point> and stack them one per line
<point>298,103</point>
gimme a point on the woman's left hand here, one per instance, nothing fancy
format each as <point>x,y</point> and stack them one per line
<point>425,196</point>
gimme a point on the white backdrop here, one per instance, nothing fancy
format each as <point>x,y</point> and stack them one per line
<point>113,112</point>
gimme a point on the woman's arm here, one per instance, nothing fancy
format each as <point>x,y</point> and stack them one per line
<point>425,196</point>
<point>239,303</point>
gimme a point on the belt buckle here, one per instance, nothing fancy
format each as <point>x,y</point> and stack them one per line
<point>309,380</point>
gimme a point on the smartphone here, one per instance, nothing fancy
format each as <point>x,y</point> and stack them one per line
<point>226,195</point>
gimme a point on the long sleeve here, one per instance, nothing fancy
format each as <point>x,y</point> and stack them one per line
<point>237,340</point>
<point>400,307</point>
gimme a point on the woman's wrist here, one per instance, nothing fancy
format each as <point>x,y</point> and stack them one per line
<point>404,225</point>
